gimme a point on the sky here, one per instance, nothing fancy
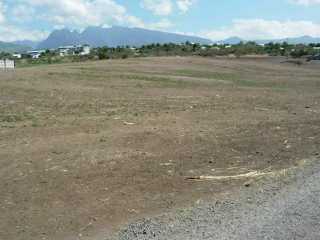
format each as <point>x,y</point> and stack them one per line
<point>213,19</point>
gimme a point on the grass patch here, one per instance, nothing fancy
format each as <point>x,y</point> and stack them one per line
<point>236,79</point>
<point>208,75</point>
<point>14,118</point>
<point>158,80</point>
<point>11,118</point>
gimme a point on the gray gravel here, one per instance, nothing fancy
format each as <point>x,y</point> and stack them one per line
<point>281,208</point>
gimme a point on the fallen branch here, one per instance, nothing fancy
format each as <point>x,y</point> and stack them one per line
<point>128,123</point>
<point>239,176</point>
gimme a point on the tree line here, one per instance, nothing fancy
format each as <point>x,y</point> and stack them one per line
<point>172,49</point>
<point>187,49</point>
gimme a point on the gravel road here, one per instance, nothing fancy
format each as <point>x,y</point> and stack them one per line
<point>278,208</point>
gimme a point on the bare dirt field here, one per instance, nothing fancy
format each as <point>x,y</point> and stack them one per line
<point>88,147</point>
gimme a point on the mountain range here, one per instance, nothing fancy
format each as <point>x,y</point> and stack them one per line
<point>297,40</point>
<point>114,36</point>
<point>121,36</point>
<point>13,47</point>
<point>27,43</point>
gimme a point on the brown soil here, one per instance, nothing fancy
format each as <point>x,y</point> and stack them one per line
<point>87,147</point>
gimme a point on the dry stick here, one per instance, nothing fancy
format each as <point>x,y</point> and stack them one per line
<point>246,175</point>
<point>253,174</point>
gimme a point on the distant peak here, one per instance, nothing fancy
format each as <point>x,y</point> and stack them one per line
<point>62,30</point>
<point>234,37</point>
<point>94,27</point>
<point>65,30</point>
<point>117,26</point>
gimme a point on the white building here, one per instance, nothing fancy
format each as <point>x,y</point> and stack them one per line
<point>17,55</point>
<point>74,50</point>
<point>7,64</point>
<point>85,50</point>
<point>67,50</point>
<point>35,54</point>
<point>63,51</point>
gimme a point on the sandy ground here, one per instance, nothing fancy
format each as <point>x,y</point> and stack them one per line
<point>86,148</point>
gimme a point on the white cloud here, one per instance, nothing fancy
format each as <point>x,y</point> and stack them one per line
<point>66,13</point>
<point>11,33</point>
<point>2,9</point>
<point>305,2</point>
<point>22,13</point>
<point>79,13</point>
<point>166,7</point>
<point>163,24</point>
<point>158,7</point>
<point>184,5</point>
<point>264,29</point>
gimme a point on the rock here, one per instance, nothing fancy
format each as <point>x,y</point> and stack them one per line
<point>248,183</point>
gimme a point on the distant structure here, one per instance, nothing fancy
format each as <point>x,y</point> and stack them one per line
<point>36,53</point>
<point>17,55</point>
<point>74,50</point>
<point>63,51</point>
<point>66,50</point>
<point>85,50</point>
<point>7,64</point>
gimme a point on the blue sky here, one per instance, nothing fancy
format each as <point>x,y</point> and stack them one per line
<point>214,19</point>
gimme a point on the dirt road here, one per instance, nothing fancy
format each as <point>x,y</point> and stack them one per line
<point>283,208</point>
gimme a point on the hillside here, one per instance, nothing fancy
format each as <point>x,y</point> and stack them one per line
<point>12,47</point>
<point>26,43</point>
